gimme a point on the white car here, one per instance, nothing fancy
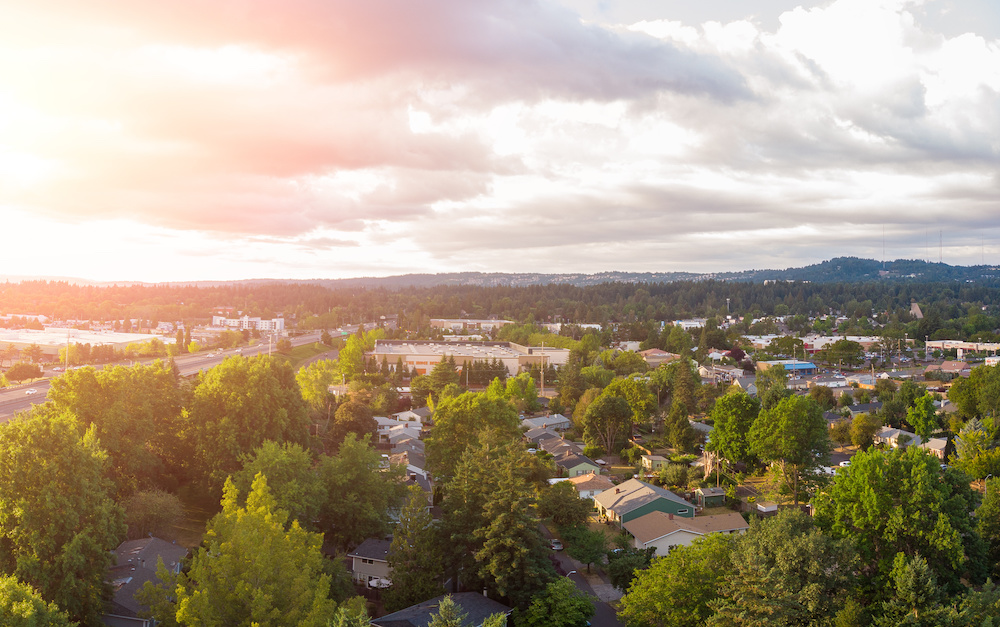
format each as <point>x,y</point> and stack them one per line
<point>31,391</point>
<point>845,464</point>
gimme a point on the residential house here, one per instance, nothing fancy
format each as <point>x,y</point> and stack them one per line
<point>135,564</point>
<point>635,498</point>
<point>476,607</point>
<point>556,422</point>
<point>408,446</point>
<point>538,435</point>
<point>747,384</point>
<point>652,463</point>
<point>370,563</point>
<point>950,369</point>
<point>575,464</point>
<point>415,462</point>
<point>864,408</point>
<point>655,357</point>
<point>559,447</point>
<point>831,381</point>
<point>895,438</point>
<point>590,485</point>
<point>402,432</point>
<point>421,415</point>
<point>665,531</point>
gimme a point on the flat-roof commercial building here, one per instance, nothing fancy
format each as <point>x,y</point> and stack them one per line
<point>54,338</point>
<point>423,356</point>
<point>465,324</point>
<point>791,366</point>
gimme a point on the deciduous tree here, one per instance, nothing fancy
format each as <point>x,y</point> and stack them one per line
<point>794,434</point>
<point>22,606</point>
<point>676,589</point>
<point>562,604</point>
<point>463,420</point>
<point>58,522</point>
<point>733,416</point>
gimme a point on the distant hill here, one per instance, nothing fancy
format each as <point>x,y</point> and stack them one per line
<point>837,270</point>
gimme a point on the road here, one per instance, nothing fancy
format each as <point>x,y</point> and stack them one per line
<point>17,399</point>
<point>593,584</point>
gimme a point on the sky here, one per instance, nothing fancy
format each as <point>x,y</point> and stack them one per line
<point>220,140</point>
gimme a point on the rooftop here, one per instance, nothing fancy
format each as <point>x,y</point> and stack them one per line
<point>656,525</point>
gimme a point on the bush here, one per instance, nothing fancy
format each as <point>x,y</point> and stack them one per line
<point>593,451</point>
<point>674,475</point>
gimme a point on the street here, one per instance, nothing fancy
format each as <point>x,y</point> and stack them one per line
<point>17,399</point>
<point>594,584</point>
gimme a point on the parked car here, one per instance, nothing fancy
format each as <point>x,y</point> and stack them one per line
<point>31,391</point>
<point>845,463</point>
<point>556,545</point>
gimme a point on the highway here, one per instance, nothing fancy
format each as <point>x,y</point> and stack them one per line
<point>17,399</point>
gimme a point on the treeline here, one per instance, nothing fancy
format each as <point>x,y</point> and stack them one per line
<point>960,310</point>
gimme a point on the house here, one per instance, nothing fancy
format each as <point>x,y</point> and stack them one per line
<point>135,564</point>
<point>401,432</point>
<point>415,462</point>
<point>538,435</point>
<point>710,497</point>
<point>797,383</point>
<point>370,563</point>
<point>665,531</point>
<point>950,369</point>
<point>559,446</point>
<point>652,463</point>
<point>828,381</point>
<point>408,446</point>
<point>575,464</point>
<point>655,357</point>
<point>556,422</point>
<point>896,438</point>
<point>864,408</point>
<point>747,384</point>
<point>590,485</point>
<point>421,415</point>
<point>635,498</point>
<point>475,606</point>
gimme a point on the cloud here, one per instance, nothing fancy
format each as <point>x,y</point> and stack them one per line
<point>498,135</point>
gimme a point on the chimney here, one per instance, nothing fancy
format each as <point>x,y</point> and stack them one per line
<point>617,490</point>
<point>671,516</point>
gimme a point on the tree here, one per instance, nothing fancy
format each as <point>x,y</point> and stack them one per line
<point>11,353</point>
<point>135,412</point>
<point>512,555</point>
<point>772,386</point>
<point>489,530</point>
<point>840,432</point>
<point>902,502</point>
<point>784,572</point>
<point>677,588</point>
<point>923,417</point>
<point>823,397</point>
<point>449,614</point>
<point>794,434</point>
<point>863,429</point>
<point>292,479</point>
<point>23,370</point>
<point>521,391</point>
<point>975,451</point>
<point>636,393</point>
<point>844,352</point>
<point>416,569</point>
<point>988,523</point>
<point>607,422</point>
<point>251,570</point>
<point>152,512</point>
<point>359,493</point>
<point>58,523</point>
<point>585,545</point>
<point>33,353</point>
<point>22,606</point>
<point>238,405</point>
<point>315,380</point>
<point>560,605</point>
<point>463,420</point>
<point>625,563</point>
<point>562,504</point>
<point>677,428</point>
<point>348,616</point>
<point>733,416</point>
<point>351,417</point>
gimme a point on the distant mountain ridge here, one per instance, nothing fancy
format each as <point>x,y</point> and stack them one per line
<point>836,270</point>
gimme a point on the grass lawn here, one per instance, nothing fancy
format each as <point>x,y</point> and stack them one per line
<point>300,354</point>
